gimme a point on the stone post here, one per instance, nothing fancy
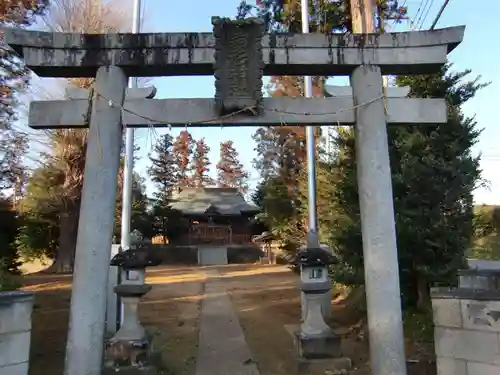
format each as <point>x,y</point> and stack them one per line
<point>377,224</point>
<point>88,300</point>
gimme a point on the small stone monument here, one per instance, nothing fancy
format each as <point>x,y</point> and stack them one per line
<point>315,340</point>
<point>130,347</point>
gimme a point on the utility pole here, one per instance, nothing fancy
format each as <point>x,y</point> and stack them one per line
<point>362,15</point>
<point>128,168</point>
<point>312,235</point>
<point>383,298</point>
<point>439,14</point>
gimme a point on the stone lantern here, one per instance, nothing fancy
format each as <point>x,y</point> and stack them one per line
<point>315,339</point>
<point>130,346</point>
<point>326,299</point>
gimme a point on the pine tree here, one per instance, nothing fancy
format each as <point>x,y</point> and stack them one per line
<point>230,172</point>
<point>164,170</point>
<point>329,15</point>
<point>183,150</point>
<point>13,146</point>
<point>433,177</point>
<point>201,164</point>
<point>281,150</point>
<point>13,81</point>
<point>140,216</point>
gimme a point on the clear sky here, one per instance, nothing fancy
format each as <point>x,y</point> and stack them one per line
<point>478,52</point>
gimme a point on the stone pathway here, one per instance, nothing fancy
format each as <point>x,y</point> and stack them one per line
<point>222,349</point>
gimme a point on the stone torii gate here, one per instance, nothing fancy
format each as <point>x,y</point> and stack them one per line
<point>238,68</point>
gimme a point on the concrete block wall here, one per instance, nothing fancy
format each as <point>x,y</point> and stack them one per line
<point>475,278</point>
<point>481,274</point>
<point>15,332</point>
<point>484,264</point>
<point>466,331</point>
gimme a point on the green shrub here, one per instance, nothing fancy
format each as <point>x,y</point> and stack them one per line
<point>8,280</point>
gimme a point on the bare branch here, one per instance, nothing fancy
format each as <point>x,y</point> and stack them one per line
<point>63,150</point>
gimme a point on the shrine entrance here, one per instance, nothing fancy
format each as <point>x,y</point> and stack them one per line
<point>238,54</point>
<point>212,255</point>
<point>214,216</point>
<point>210,234</point>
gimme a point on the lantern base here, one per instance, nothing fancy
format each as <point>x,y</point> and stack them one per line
<point>323,366</point>
<point>326,345</point>
<point>320,355</point>
<point>128,354</point>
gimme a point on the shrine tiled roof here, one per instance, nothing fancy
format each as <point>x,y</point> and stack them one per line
<point>223,201</point>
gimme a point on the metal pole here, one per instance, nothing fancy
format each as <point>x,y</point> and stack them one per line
<point>312,237</point>
<point>439,15</point>
<point>129,154</point>
<point>128,168</point>
<point>312,233</point>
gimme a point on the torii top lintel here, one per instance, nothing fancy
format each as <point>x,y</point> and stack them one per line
<point>170,54</point>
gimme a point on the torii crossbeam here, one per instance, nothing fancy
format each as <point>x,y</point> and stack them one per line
<point>175,54</point>
<point>142,113</point>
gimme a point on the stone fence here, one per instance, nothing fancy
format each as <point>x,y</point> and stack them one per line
<point>15,332</point>
<point>467,322</point>
<point>484,264</point>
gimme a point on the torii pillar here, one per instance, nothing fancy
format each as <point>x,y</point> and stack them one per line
<point>95,228</point>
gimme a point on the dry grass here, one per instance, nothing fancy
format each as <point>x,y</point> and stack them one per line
<point>50,322</point>
<point>265,298</point>
<point>171,311</point>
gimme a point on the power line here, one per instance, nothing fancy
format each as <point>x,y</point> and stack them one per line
<point>417,17</point>
<point>439,14</point>
<point>424,17</point>
<point>395,21</point>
